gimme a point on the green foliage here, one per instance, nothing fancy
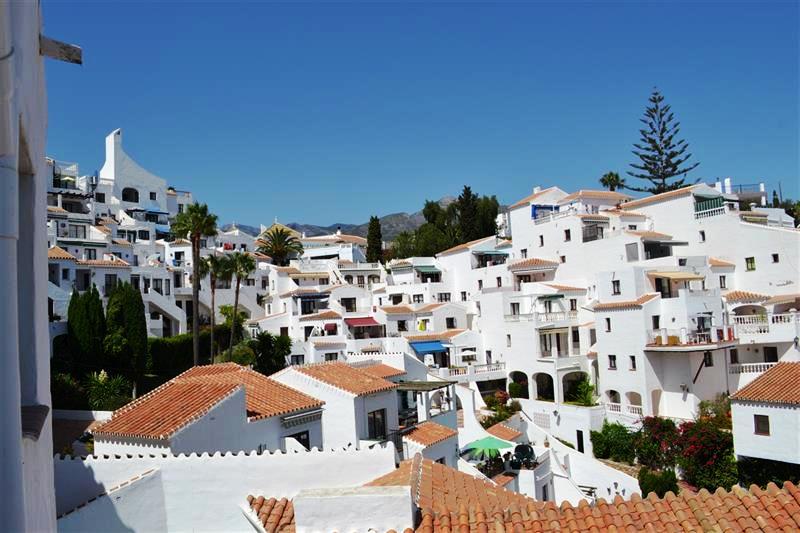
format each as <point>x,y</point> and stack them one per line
<point>614,441</point>
<point>243,354</point>
<point>517,390</point>
<point>86,327</point>
<point>107,393</point>
<point>754,471</point>
<point>374,240</point>
<point>67,392</point>
<point>612,181</point>
<point>706,455</point>
<point>169,356</point>
<point>242,265</point>
<point>503,409</point>
<point>658,481</point>
<point>271,352</point>
<point>566,443</point>
<point>488,208</point>
<point>125,342</point>
<point>662,158</point>
<point>657,443</point>
<point>716,411</point>
<point>227,313</point>
<point>582,393</point>
<point>280,243</point>
<point>430,240</point>
<point>404,245</point>
<point>467,209</point>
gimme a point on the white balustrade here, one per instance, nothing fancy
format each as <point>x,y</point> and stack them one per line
<point>750,368</point>
<point>710,212</point>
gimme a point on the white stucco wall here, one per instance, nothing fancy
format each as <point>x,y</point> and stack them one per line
<point>783,442</point>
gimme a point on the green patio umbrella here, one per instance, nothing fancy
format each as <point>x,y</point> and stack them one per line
<point>486,448</point>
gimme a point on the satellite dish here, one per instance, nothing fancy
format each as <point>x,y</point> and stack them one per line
<point>523,451</point>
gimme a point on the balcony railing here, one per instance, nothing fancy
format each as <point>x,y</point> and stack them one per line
<point>707,213</point>
<point>627,409</point>
<point>686,337</point>
<point>750,368</point>
<point>762,324</point>
<point>557,316</point>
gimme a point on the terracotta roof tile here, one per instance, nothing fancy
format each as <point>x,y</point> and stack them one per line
<point>716,262</point>
<point>382,370</point>
<point>625,304</point>
<point>528,199</point>
<point>744,297</point>
<point>585,194</point>
<point>104,229</point>
<point>122,242</point>
<point>345,377</point>
<point>659,197</point>
<point>464,246</point>
<point>502,431</point>
<point>275,515</point>
<point>329,314</point>
<point>56,209</point>
<point>649,234</point>
<point>350,239</point>
<point>430,433</point>
<point>783,299</point>
<point>446,334</point>
<point>57,252</point>
<point>397,309</point>
<point>559,287</point>
<point>623,213</point>
<point>776,385</point>
<point>532,263</point>
<point>113,263</point>
<point>503,479</point>
<point>427,308</point>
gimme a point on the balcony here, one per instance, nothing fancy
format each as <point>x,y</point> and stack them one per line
<point>473,372</point>
<point>633,410</point>
<point>686,340</point>
<point>750,368</point>
<point>557,316</point>
<point>767,327</point>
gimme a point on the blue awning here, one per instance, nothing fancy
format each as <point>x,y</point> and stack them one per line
<point>428,347</point>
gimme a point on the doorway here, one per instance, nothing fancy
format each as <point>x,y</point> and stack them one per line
<point>579,440</point>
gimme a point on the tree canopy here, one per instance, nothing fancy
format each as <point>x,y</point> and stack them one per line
<point>374,240</point>
<point>279,243</point>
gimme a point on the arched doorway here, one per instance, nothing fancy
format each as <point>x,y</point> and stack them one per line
<point>634,398</point>
<point>518,385</point>
<point>570,383</point>
<point>544,387</point>
<point>613,396</point>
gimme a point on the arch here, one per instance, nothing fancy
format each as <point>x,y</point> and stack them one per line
<point>570,383</point>
<point>374,279</point>
<point>613,396</point>
<point>129,194</point>
<point>348,279</point>
<point>749,309</point>
<point>655,397</point>
<point>544,387</point>
<point>634,398</point>
<point>520,379</point>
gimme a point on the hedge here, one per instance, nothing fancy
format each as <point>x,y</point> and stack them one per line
<point>614,442</point>
<point>658,481</point>
<point>170,356</point>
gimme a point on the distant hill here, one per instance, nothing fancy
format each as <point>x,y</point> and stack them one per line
<point>391,225</point>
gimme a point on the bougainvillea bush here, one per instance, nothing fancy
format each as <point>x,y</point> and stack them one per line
<point>706,455</point>
<point>657,443</point>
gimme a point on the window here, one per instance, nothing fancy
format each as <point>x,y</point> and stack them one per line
<point>153,196</point>
<point>608,324</point>
<point>750,263</point>
<point>450,322</point>
<point>776,258</point>
<point>76,231</point>
<point>615,287</point>
<point>563,258</point>
<point>302,438</point>
<point>499,281</point>
<point>332,356</point>
<point>723,282</point>
<point>376,424</point>
<point>632,227</point>
<point>402,326</point>
<point>91,253</point>
<point>573,304</point>
<point>612,362</point>
<point>180,208</point>
<point>541,240</point>
<point>284,332</point>
<point>514,308</point>
<point>508,341</point>
<point>349,304</point>
<point>444,297</point>
<point>761,423</point>
<point>417,298</point>
<point>203,243</point>
<point>360,281</point>
<point>708,359</point>
<point>264,284</point>
<point>633,362</point>
<point>682,261</point>
<point>480,284</point>
<point>65,273</point>
<point>250,282</point>
<point>297,359</point>
<point>130,194</point>
<point>567,235</point>
<point>100,197</point>
<point>734,356</point>
<point>656,321</point>
<point>523,253</point>
<point>463,296</point>
<point>144,234</point>
<point>702,236</point>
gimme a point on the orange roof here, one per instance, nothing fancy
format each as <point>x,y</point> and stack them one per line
<point>397,309</point>
<point>165,410</point>
<point>659,197</point>
<point>502,431</point>
<point>626,304</point>
<point>446,334</point>
<point>564,287</point>
<point>427,308</point>
<point>121,242</point>
<point>329,314</point>
<point>744,297</point>
<point>464,246</point>
<point>716,262</point>
<point>532,263</point>
<point>352,239</point>
<point>649,234</point>
<point>345,377</point>
<point>528,199</point>
<point>381,370</point>
<point>56,209</point>
<point>622,213</point>
<point>115,263</point>
<point>776,385</point>
<point>503,479</point>
<point>783,299</point>
<point>104,229</point>
<point>57,252</point>
<point>276,516</point>
<point>430,433</point>
<point>612,196</point>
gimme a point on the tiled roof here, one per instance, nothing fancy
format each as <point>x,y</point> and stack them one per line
<point>329,314</point>
<point>502,431</point>
<point>531,263</point>
<point>650,234</point>
<point>256,320</point>
<point>57,252</point>
<point>622,213</point>
<point>592,216</point>
<point>328,344</point>
<point>625,304</point>
<point>382,370</point>
<point>397,309</point>
<point>559,287</point>
<point>776,385</point>
<point>659,197</point>
<point>528,199</point>
<point>782,299</point>
<point>716,262</point>
<point>345,377</point>
<point>180,242</point>
<point>429,433</point>
<point>503,479</point>
<point>612,196</point>
<point>276,516</point>
<point>446,334</point>
<point>427,308</point>
<point>121,242</point>
<point>744,297</point>
<point>104,229</point>
<point>56,209</point>
<point>352,239</point>
<point>114,263</point>
<point>464,246</point>
<point>288,270</point>
<point>187,397</point>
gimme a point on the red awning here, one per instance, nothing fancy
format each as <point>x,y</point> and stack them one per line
<point>361,322</point>
<point>330,327</point>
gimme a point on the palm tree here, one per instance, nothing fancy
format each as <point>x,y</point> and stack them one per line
<point>217,268</point>
<point>241,266</point>
<point>195,222</point>
<point>612,181</point>
<point>279,244</point>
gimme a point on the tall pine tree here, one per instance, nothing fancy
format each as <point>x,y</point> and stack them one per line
<point>374,240</point>
<point>662,158</point>
<point>467,208</point>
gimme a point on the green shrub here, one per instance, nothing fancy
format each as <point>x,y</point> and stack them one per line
<point>67,392</point>
<point>170,356</point>
<point>716,411</point>
<point>658,481</point>
<point>754,471</point>
<point>582,393</point>
<point>613,442</point>
<point>517,390</point>
<point>706,455</point>
<point>657,443</point>
<point>107,393</point>
<point>566,443</point>
<point>242,354</point>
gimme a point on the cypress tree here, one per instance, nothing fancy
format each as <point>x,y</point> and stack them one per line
<point>374,240</point>
<point>662,157</point>
<point>488,207</point>
<point>467,209</point>
<point>126,333</point>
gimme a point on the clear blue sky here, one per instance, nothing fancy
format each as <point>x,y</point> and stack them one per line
<point>324,113</point>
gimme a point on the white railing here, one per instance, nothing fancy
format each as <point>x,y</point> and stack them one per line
<point>614,407</point>
<point>784,318</point>
<point>634,409</point>
<point>458,371</point>
<point>710,212</point>
<point>750,319</point>
<point>491,367</point>
<point>551,216</point>
<point>557,316</point>
<point>761,324</point>
<point>684,336</point>
<point>628,409</point>
<point>520,317</point>
<point>750,368</point>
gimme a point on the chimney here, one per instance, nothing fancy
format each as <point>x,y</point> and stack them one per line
<point>537,190</point>
<point>718,185</point>
<point>338,230</point>
<point>728,186</point>
<point>354,509</point>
